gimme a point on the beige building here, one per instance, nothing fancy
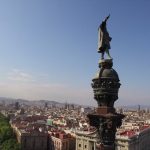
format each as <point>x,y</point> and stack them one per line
<point>127,140</point>
<point>130,140</point>
<point>85,141</point>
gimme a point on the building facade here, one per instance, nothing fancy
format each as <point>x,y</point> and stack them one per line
<point>85,141</point>
<point>34,141</point>
<point>131,140</point>
<point>127,140</point>
<point>62,141</point>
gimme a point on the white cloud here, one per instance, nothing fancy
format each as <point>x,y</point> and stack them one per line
<point>18,75</point>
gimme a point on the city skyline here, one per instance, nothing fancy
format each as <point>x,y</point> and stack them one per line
<point>49,49</point>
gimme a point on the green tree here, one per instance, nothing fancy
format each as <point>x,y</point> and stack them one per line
<point>10,145</point>
<point>7,140</point>
<point>5,133</point>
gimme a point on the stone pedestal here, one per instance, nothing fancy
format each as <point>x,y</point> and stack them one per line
<point>105,86</point>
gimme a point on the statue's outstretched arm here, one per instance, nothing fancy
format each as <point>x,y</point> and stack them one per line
<point>107,18</point>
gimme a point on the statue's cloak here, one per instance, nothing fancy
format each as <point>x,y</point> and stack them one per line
<point>103,38</point>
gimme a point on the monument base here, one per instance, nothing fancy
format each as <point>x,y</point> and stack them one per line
<point>105,110</point>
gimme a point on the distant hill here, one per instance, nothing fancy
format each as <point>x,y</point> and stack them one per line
<point>27,102</point>
<point>135,107</point>
<point>41,102</point>
<point>33,102</point>
<point>8,100</point>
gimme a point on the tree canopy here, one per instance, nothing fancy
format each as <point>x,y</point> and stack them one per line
<point>7,138</point>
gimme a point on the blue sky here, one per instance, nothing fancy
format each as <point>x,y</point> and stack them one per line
<point>48,48</point>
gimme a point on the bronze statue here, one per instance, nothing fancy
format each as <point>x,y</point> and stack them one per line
<point>104,39</point>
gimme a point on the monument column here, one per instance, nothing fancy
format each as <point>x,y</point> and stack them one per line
<point>105,85</point>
